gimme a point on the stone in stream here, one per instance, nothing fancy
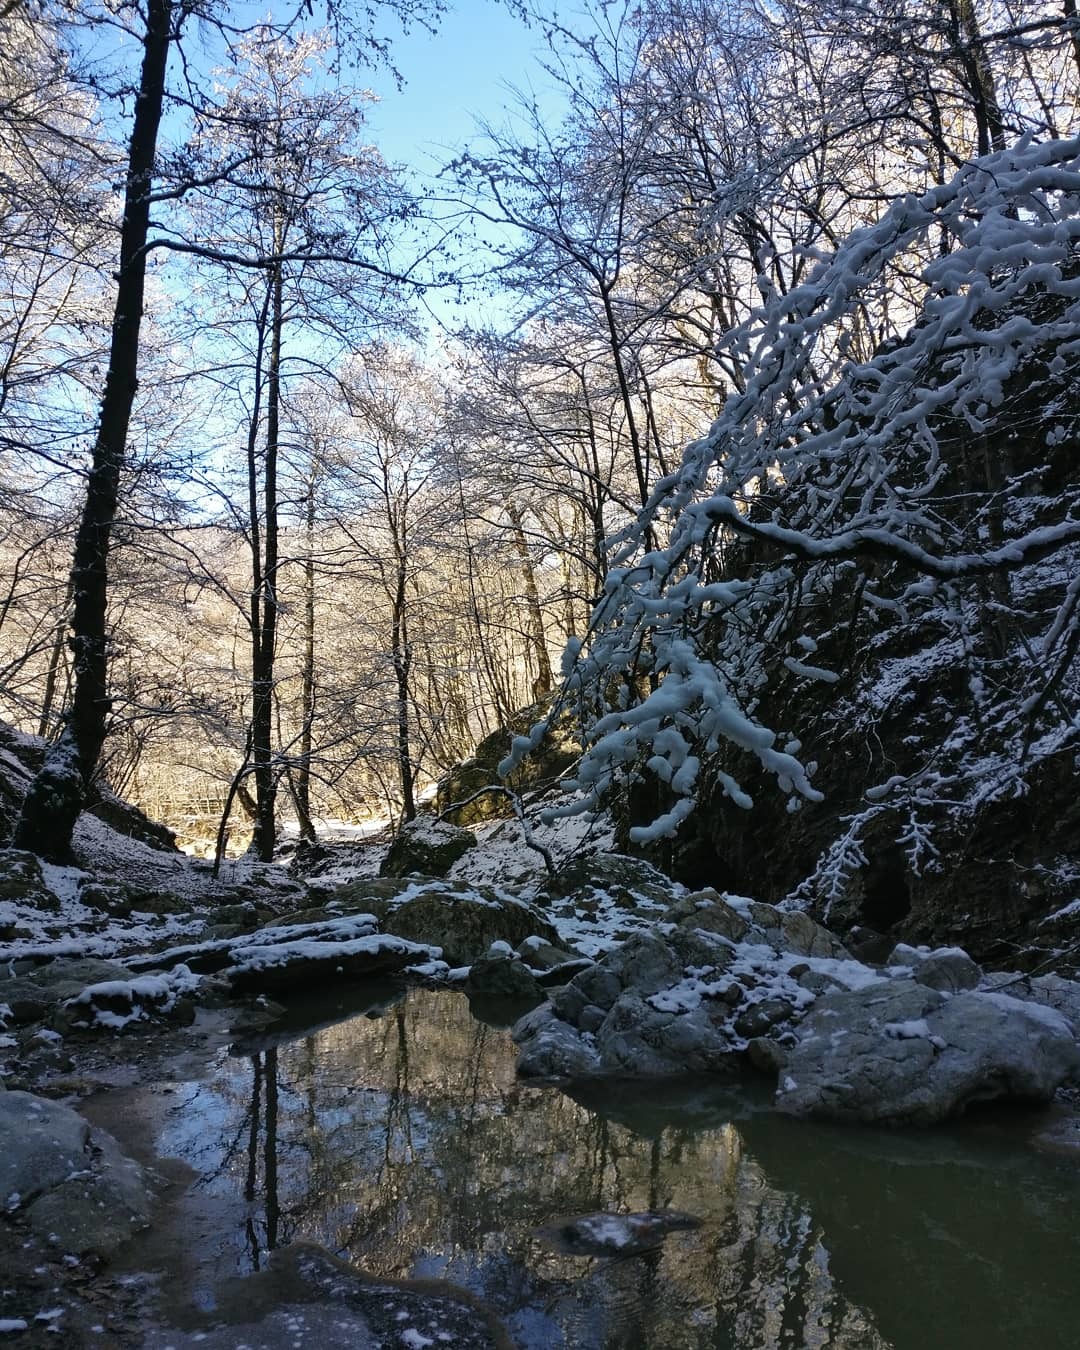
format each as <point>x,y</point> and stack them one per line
<point>603,1234</point>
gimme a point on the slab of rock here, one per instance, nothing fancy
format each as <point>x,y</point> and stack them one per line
<point>426,846</point>
<point>901,1053</point>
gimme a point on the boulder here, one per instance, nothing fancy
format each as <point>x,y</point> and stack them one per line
<point>41,1143</point>
<point>552,1048</point>
<point>503,975</point>
<point>465,783</point>
<point>948,969</point>
<point>427,846</point>
<point>22,883</point>
<point>33,996</point>
<point>669,1001</point>
<point>899,1052</point>
<point>742,920</point>
<point>72,1184</point>
<point>465,921</point>
<point>629,883</point>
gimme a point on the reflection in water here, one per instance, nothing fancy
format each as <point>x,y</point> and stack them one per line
<point>403,1142</point>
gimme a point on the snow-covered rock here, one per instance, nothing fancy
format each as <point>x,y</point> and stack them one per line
<point>949,969</point>
<point>899,1052</point>
<point>426,846</point>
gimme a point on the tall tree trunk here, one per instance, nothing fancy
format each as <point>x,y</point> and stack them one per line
<point>265,600</point>
<point>56,795</point>
<point>544,682</point>
<point>402,656</point>
<point>302,779</point>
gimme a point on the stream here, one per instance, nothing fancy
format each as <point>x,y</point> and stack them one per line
<point>396,1135</point>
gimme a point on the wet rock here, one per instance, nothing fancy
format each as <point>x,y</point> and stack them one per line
<point>501,976</point>
<point>552,1048</point>
<point>426,846</point>
<point>899,1052</point>
<point>614,1234</point>
<point>99,1208</point>
<point>41,1143</point>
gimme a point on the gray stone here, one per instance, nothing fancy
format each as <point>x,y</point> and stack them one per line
<point>898,1052</point>
<point>949,969</point>
<point>540,955</point>
<point>97,1210</point>
<point>464,923</point>
<point>32,996</point>
<point>503,977</point>
<point>41,1143</point>
<point>552,1048</point>
<point>427,846</point>
<point>632,883</point>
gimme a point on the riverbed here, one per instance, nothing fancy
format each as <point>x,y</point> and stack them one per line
<point>395,1134</point>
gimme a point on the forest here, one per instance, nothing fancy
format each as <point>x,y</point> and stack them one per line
<point>276,543</point>
<point>539,683</point>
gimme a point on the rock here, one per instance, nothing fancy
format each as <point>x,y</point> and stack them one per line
<point>668,1001</point>
<point>41,1143</point>
<point>99,1209</point>
<point>949,969</point>
<point>22,883</point>
<point>556,753</point>
<point>308,1297</point>
<point>552,1048</point>
<point>614,1234</point>
<point>297,962</point>
<point>899,1052</point>
<point>503,977</point>
<point>34,996</point>
<point>742,920</point>
<point>465,921</point>
<point>631,883</point>
<point>426,846</point>
<point>539,955</point>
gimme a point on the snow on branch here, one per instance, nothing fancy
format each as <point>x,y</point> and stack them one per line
<point>822,461</point>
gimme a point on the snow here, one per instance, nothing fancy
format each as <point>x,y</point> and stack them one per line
<point>414,1339</point>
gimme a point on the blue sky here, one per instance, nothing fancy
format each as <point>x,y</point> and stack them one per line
<point>461,72</point>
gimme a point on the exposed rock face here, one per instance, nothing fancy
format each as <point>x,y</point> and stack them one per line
<point>901,1052</point>
<point>68,1181</point>
<point>559,750</point>
<point>426,846</point>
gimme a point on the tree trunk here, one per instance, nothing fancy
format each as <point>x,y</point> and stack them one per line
<point>302,780</point>
<point>56,795</point>
<point>544,682</point>
<point>264,635</point>
<point>402,657</point>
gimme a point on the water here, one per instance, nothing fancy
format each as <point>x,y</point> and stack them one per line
<point>401,1140</point>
